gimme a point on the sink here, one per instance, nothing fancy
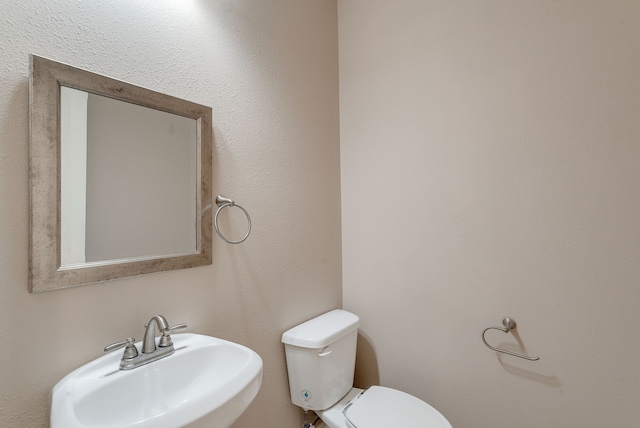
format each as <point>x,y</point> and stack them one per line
<point>207,382</point>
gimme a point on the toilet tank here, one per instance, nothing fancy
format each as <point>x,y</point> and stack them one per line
<point>321,357</point>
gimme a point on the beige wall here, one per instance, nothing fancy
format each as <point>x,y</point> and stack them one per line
<point>490,154</point>
<point>269,71</point>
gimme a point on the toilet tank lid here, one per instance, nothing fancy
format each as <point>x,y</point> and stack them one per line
<point>322,330</point>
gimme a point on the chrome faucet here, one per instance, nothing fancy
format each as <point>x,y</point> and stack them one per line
<point>150,352</point>
<point>149,343</point>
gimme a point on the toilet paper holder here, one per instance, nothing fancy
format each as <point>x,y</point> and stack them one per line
<point>509,324</point>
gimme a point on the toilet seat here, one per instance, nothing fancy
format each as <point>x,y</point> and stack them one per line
<point>381,407</point>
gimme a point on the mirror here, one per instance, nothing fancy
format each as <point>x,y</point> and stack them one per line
<point>119,162</point>
<point>120,179</point>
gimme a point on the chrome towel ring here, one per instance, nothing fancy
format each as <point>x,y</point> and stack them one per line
<point>509,324</point>
<point>223,202</point>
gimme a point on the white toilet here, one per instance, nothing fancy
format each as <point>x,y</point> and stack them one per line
<point>321,356</point>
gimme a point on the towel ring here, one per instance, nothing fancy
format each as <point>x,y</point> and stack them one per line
<point>509,324</point>
<point>223,202</point>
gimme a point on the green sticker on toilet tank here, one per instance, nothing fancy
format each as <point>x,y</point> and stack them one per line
<point>306,394</point>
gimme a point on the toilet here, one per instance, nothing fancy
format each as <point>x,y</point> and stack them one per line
<point>321,356</point>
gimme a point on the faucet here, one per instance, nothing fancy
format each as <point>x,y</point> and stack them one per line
<point>149,343</point>
<point>150,352</point>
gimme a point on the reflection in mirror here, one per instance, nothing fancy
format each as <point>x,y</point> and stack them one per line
<point>128,183</point>
<point>120,179</point>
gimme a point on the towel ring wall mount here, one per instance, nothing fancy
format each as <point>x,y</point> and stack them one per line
<point>509,324</point>
<point>224,202</point>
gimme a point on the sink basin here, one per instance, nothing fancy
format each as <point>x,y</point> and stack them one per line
<point>207,382</point>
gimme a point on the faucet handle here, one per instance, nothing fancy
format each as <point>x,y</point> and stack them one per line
<point>165,339</point>
<point>130,350</point>
<point>175,327</point>
<point>171,329</point>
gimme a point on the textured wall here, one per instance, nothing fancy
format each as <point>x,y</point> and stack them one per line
<point>490,154</point>
<point>269,71</point>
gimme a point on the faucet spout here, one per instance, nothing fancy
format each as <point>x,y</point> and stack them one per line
<point>149,342</point>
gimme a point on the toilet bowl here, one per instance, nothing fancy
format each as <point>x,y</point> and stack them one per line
<point>320,357</point>
<point>378,407</point>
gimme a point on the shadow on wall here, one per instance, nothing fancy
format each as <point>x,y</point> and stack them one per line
<point>549,380</point>
<point>367,372</point>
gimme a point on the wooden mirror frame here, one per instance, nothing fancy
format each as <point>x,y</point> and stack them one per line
<point>45,271</point>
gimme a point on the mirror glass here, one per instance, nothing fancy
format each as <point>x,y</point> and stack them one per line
<point>120,179</point>
<point>128,180</point>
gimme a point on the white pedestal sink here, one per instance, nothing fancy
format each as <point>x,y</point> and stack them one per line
<point>207,382</point>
